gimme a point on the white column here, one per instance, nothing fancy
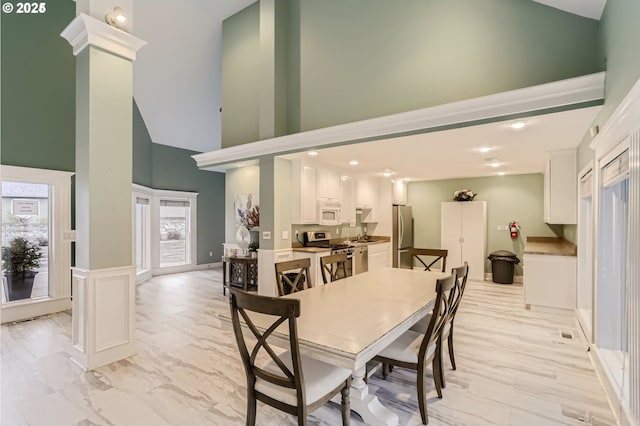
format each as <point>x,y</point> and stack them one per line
<point>103,316</point>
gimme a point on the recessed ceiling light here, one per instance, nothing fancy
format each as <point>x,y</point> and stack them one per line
<point>495,164</point>
<point>485,149</point>
<point>387,172</point>
<point>312,153</point>
<point>518,125</point>
<point>354,162</point>
<point>501,173</point>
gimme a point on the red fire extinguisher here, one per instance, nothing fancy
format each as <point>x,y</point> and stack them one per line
<point>514,228</point>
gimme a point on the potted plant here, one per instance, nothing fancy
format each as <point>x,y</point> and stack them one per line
<point>19,261</point>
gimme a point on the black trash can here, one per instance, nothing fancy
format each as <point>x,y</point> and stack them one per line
<point>502,265</point>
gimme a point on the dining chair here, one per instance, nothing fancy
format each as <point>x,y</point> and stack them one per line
<point>290,382</point>
<point>462,272</point>
<point>334,267</point>
<point>290,282</point>
<point>419,253</point>
<point>415,351</point>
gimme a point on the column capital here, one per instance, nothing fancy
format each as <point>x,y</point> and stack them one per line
<point>85,30</point>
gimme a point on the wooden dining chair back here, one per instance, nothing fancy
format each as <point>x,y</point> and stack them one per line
<point>415,351</point>
<point>334,267</point>
<point>439,254</point>
<point>292,276</point>
<point>462,272</point>
<point>280,381</point>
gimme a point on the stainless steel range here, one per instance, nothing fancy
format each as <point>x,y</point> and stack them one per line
<point>356,256</point>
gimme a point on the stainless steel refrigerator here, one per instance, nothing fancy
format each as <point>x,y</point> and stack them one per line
<point>402,236</point>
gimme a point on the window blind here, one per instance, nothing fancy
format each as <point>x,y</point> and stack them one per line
<point>586,184</point>
<point>616,170</point>
<point>174,203</point>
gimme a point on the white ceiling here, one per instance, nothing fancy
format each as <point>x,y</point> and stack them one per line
<point>454,153</point>
<point>587,8</point>
<point>177,76</point>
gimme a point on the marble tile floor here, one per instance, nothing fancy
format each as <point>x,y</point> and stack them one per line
<point>514,368</point>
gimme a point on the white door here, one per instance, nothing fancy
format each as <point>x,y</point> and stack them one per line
<point>451,232</point>
<point>474,225</point>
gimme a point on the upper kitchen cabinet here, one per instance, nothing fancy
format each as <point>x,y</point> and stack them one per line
<point>399,193</point>
<point>560,187</point>
<point>367,197</point>
<point>304,195</point>
<point>348,199</point>
<point>328,184</point>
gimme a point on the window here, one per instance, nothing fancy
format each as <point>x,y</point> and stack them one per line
<point>36,242</point>
<point>613,285</point>
<point>585,254</point>
<point>142,241</point>
<point>175,233</point>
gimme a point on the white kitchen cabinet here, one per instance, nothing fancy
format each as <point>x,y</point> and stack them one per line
<point>550,280</point>
<point>463,232</point>
<point>327,184</point>
<point>367,198</point>
<point>304,193</point>
<point>348,199</point>
<point>379,255</point>
<point>399,193</point>
<point>560,187</point>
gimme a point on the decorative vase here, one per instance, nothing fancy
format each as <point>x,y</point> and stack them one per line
<point>243,237</point>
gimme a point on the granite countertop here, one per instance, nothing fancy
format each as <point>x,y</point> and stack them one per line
<point>550,246</point>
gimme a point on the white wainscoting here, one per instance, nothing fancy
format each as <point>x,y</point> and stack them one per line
<point>267,272</point>
<point>103,319</point>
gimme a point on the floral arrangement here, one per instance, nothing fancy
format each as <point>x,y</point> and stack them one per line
<point>249,214</point>
<point>464,195</point>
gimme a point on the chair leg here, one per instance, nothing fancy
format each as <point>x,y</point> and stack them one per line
<point>251,409</point>
<point>437,376</point>
<point>450,345</point>
<point>385,370</point>
<point>302,416</point>
<point>422,401</point>
<point>345,404</point>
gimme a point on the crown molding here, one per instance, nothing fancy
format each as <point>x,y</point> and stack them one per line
<point>85,31</point>
<point>556,94</point>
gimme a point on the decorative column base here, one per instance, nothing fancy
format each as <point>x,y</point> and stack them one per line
<point>103,316</point>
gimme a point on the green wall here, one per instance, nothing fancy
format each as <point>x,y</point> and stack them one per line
<point>240,73</point>
<point>38,84</point>
<point>38,89</point>
<point>358,59</point>
<point>174,169</point>
<point>509,198</point>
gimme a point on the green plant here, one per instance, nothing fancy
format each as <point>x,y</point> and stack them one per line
<point>21,256</point>
<point>254,246</point>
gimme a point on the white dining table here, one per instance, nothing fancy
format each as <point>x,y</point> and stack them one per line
<point>348,322</point>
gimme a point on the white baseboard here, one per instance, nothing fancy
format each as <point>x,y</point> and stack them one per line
<point>209,265</point>
<point>34,308</point>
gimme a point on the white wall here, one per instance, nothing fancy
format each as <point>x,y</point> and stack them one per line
<point>243,180</point>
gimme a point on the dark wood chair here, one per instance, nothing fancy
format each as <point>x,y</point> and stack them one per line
<point>289,382</point>
<point>418,253</point>
<point>334,267</point>
<point>290,282</point>
<point>415,351</point>
<point>462,272</point>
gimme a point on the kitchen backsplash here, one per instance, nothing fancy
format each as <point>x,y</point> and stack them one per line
<point>340,231</point>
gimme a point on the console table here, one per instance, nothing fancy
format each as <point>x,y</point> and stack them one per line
<point>243,272</point>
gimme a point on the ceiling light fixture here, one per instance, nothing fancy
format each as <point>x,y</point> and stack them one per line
<point>387,172</point>
<point>116,18</point>
<point>518,125</point>
<point>502,173</point>
<point>312,153</point>
<point>495,164</point>
<point>354,162</point>
<point>485,149</point>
